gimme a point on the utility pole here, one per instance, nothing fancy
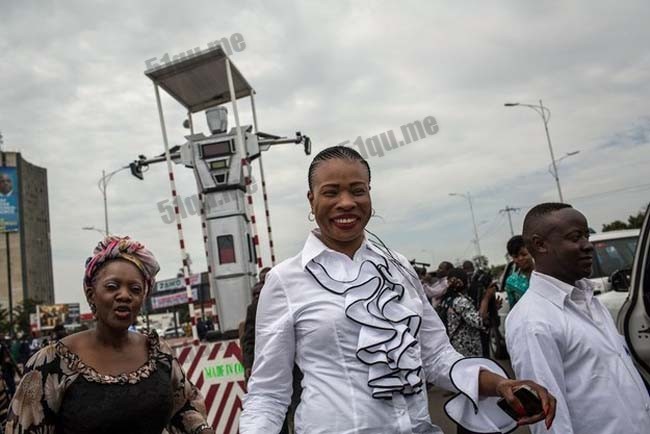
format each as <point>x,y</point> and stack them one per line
<point>508,210</point>
<point>468,197</point>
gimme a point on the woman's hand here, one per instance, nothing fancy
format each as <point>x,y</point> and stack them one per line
<point>506,388</point>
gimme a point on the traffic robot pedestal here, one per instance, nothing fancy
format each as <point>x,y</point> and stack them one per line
<point>221,162</point>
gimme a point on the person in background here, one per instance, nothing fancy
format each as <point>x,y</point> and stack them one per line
<point>59,330</point>
<point>248,337</point>
<point>109,380</point>
<point>24,352</point>
<point>464,322</point>
<point>517,282</point>
<point>479,282</point>
<point>436,292</point>
<point>34,345</point>
<point>201,329</point>
<point>561,335</point>
<point>9,369</point>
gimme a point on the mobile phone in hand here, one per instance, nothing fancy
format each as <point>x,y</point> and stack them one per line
<point>528,398</point>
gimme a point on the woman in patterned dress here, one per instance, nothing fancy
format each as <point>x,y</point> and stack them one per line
<point>464,322</point>
<point>108,379</point>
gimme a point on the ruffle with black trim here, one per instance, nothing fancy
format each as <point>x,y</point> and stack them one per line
<point>387,341</point>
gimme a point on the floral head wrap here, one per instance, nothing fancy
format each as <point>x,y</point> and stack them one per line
<point>113,247</point>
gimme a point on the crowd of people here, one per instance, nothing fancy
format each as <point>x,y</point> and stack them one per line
<point>346,336</point>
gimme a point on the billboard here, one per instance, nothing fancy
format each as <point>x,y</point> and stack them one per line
<point>69,315</point>
<point>9,212</point>
<point>175,299</point>
<point>176,284</point>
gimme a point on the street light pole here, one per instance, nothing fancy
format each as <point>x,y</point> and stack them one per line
<point>471,209</point>
<point>550,149</point>
<point>105,201</point>
<point>545,113</point>
<point>102,184</point>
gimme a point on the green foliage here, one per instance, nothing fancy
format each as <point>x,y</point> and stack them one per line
<point>633,222</point>
<point>497,270</point>
<point>20,317</point>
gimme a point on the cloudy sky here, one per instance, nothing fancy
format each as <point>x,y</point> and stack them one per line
<point>74,100</point>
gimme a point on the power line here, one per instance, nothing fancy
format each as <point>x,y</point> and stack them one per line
<point>508,210</point>
<point>639,187</point>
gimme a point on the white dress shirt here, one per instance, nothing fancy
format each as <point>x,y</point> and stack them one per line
<point>355,334</point>
<point>562,337</point>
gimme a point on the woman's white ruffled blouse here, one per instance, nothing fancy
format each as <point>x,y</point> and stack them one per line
<point>367,340</point>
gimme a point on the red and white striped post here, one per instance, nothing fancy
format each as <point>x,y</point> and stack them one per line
<point>244,163</point>
<point>265,196</point>
<point>179,226</point>
<point>250,210</point>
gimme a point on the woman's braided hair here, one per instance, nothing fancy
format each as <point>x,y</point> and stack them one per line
<point>338,152</point>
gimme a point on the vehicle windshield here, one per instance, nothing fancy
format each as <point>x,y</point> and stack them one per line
<point>613,255</point>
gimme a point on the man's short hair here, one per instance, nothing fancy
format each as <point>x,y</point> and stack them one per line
<point>514,245</point>
<point>468,265</point>
<point>535,216</point>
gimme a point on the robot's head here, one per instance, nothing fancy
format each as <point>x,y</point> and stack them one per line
<point>217,119</point>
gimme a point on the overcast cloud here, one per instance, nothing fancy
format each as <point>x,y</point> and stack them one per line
<point>74,100</point>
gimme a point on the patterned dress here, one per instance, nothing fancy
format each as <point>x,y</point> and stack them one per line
<point>59,394</point>
<point>464,325</point>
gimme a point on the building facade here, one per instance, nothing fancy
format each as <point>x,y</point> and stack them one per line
<point>25,246</point>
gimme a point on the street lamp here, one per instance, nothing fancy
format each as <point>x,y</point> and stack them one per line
<point>93,228</point>
<point>559,160</point>
<point>101,184</point>
<point>545,113</point>
<point>471,209</point>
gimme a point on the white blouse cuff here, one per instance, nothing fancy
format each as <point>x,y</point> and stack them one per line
<point>478,414</point>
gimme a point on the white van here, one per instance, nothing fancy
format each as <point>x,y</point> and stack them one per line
<point>613,251</point>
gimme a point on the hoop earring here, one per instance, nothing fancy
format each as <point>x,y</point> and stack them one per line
<point>93,308</point>
<point>373,212</point>
<point>311,217</point>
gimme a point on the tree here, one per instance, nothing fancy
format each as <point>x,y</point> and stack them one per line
<point>633,222</point>
<point>497,270</point>
<point>616,225</point>
<point>21,316</point>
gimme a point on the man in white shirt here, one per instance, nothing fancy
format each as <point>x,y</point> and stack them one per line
<point>561,336</point>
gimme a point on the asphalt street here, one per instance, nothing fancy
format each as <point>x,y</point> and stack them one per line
<point>438,397</point>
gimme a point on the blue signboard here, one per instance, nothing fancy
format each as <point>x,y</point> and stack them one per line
<point>9,191</point>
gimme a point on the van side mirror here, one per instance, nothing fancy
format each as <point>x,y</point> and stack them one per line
<point>620,279</point>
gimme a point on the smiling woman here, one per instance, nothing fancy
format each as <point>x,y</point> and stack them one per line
<point>353,316</point>
<point>109,380</point>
